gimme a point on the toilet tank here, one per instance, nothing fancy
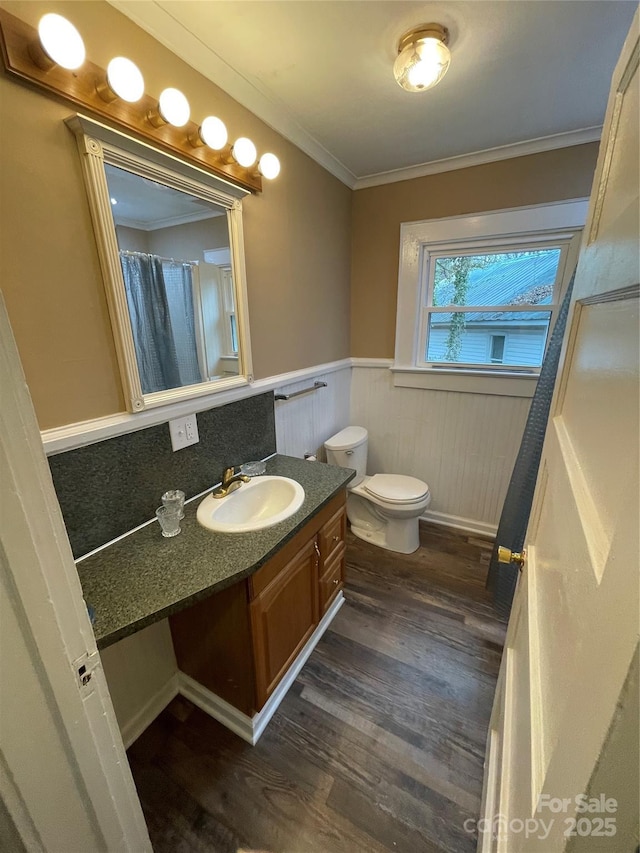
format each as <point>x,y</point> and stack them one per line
<point>348,449</point>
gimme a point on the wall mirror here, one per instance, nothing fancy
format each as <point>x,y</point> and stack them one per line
<point>171,250</point>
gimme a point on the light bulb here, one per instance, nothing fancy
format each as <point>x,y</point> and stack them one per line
<point>61,41</point>
<point>174,107</point>
<point>423,58</point>
<point>269,166</point>
<point>125,80</point>
<point>423,74</point>
<point>213,133</point>
<point>244,152</point>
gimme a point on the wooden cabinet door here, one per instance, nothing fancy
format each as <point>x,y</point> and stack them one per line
<point>283,617</point>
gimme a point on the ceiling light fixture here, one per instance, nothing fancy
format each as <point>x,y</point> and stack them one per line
<point>123,80</point>
<point>423,57</point>
<point>59,43</point>
<point>212,133</point>
<point>244,152</point>
<point>269,166</point>
<point>173,108</point>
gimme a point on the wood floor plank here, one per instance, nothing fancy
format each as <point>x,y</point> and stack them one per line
<point>269,810</point>
<point>379,744</point>
<point>408,717</point>
<point>396,751</point>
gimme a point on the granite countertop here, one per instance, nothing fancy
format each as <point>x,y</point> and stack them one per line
<point>144,577</point>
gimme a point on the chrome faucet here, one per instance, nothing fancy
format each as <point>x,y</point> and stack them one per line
<point>230,482</point>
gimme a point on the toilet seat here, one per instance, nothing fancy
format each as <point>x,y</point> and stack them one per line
<point>397,489</point>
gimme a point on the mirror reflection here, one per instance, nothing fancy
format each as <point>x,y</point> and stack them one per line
<point>175,255</point>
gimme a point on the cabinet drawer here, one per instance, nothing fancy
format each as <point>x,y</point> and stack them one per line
<point>332,535</point>
<point>332,580</point>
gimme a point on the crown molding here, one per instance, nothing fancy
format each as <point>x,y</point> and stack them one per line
<point>478,158</point>
<point>160,24</point>
<point>167,222</point>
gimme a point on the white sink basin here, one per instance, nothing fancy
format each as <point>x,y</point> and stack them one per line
<point>262,502</point>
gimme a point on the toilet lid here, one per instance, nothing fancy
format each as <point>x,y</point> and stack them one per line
<point>396,488</point>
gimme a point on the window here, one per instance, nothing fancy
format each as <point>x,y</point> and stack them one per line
<point>496,354</point>
<point>231,328</point>
<point>478,295</point>
<point>473,300</point>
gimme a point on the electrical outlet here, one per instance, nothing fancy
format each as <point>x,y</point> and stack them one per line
<point>183,431</point>
<point>191,429</point>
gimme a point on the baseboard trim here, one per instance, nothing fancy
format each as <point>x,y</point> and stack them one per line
<point>230,717</point>
<point>133,728</point>
<point>250,728</point>
<point>468,525</point>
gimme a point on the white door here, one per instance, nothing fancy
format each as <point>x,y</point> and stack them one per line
<point>64,777</point>
<point>567,681</point>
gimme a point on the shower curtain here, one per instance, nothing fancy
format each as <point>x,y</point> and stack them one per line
<point>512,528</point>
<point>160,298</point>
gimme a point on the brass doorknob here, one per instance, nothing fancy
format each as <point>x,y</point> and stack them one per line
<point>505,555</point>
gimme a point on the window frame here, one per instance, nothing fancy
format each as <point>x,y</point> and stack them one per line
<point>427,309</point>
<point>559,224</point>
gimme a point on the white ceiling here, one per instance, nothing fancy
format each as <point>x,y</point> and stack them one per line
<point>320,72</point>
<point>146,205</point>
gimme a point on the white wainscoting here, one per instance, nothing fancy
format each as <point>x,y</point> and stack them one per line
<point>463,445</point>
<point>304,423</point>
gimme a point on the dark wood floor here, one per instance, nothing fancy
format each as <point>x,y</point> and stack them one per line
<point>379,744</point>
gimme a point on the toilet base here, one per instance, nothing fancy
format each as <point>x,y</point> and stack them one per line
<point>401,538</point>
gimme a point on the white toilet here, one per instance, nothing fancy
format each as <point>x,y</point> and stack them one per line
<point>384,508</point>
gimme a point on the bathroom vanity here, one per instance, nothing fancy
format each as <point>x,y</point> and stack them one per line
<point>240,643</point>
<point>246,610</point>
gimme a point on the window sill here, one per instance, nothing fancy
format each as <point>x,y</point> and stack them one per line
<point>499,383</point>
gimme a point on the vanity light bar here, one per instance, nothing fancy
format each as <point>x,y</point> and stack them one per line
<point>53,58</point>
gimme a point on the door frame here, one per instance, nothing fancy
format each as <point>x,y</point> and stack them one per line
<point>46,598</point>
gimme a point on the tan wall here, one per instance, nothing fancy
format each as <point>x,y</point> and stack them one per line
<point>379,211</point>
<point>296,234</point>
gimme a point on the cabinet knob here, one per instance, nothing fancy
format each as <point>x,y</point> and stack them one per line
<point>336,538</point>
<point>336,581</point>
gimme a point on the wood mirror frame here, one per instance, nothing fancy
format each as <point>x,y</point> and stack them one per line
<point>100,145</point>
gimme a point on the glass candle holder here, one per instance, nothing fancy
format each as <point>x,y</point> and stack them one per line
<point>169,520</point>
<point>174,500</point>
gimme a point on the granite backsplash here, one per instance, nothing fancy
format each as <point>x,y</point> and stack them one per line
<point>108,488</point>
